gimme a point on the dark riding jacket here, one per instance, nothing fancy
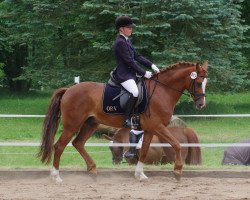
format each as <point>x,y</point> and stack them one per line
<point>126,59</point>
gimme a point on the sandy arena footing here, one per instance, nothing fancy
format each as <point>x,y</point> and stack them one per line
<point>121,184</point>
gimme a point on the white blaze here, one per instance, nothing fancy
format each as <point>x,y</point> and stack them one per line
<point>204,83</point>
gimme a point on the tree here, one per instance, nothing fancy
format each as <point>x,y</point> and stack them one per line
<point>68,38</point>
<point>246,19</point>
<point>13,47</point>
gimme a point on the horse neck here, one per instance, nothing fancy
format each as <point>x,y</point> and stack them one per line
<point>175,80</point>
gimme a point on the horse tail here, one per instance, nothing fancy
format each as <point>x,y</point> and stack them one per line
<point>50,126</point>
<point>194,153</point>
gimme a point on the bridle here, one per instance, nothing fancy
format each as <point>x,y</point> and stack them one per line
<point>191,90</point>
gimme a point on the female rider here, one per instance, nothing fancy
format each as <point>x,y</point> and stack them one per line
<point>127,60</point>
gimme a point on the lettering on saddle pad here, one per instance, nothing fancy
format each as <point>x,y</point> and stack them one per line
<point>115,99</point>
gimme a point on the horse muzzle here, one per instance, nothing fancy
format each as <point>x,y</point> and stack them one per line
<point>200,103</point>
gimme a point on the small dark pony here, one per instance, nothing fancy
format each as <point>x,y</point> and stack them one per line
<point>80,108</point>
<point>158,155</point>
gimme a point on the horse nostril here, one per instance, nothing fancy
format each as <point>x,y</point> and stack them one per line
<point>201,106</point>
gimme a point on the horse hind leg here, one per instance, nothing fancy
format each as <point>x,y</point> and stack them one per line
<point>84,134</point>
<point>58,150</point>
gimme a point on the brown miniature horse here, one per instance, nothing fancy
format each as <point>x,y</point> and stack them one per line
<point>158,155</point>
<point>80,107</point>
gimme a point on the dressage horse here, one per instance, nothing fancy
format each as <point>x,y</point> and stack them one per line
<point>80,108</point>
<point>157,155</point>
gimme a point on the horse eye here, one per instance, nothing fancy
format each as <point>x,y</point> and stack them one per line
<point>199,84</point>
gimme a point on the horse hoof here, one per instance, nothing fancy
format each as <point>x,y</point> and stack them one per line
<point>177,175</point>
<point>93,171</point>
<point>56,179</point>
<point>141,176</point>
<point>93,175</point>
<point>54,175</point>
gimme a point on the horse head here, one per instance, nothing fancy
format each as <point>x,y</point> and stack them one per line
<point>185,76</point>
<point>197,85</point>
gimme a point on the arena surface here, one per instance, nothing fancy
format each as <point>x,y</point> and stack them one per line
<point>120,184</point>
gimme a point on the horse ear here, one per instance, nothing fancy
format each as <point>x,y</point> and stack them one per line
<point>205,65</point>
<point>198,67</point>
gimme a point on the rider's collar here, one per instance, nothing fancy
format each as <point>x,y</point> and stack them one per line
<point>124,36</point>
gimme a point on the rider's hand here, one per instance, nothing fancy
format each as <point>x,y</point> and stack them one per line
<point>148,74</point>
<point>155,69</point>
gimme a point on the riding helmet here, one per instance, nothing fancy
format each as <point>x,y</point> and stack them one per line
<point>123,21</point>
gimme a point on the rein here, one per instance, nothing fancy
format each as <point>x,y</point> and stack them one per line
<point>157,81</point>
<point>191,89</point>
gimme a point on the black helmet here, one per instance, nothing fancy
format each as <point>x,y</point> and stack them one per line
<point>123,21</point>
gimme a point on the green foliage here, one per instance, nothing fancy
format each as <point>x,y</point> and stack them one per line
<point>68,38</point>
<point>246,20</point>
<point>1,71</point>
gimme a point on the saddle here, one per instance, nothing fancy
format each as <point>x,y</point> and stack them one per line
<point>115,98</point>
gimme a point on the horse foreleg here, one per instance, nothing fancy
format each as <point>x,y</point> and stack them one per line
<point>59,148</point>
<point>139,174</point>
<point>84,134</point>
<point>164,133</point>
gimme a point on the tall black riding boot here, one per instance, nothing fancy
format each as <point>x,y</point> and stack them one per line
<point>129,109</point>
<point>131,153</point>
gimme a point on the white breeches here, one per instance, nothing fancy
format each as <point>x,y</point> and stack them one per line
<point>136,132</point>
<point>131,86</point>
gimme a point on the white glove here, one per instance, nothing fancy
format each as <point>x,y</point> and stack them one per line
<point>156,70</point>
<point>148,74</point>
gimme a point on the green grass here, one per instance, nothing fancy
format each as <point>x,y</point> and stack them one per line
<point>217,104</point>
<point>20,129</point>
<point>209,130</point>
<point>220,130</point>
<point>33,103</point>
<point>25,157</point>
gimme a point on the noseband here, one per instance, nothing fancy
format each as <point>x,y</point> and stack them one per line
<point>192,89</point>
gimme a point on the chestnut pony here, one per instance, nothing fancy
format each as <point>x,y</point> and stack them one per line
<point>80,108</point>
<point>158,155</point>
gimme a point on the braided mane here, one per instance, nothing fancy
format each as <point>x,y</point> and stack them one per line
<point>183,64</point>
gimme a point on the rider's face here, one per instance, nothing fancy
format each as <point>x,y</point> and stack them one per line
<point>127,31</point>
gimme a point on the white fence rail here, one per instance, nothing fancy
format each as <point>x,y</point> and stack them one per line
<point>218,115</point>
<point>20,116</point>
<point>36,144</point>
<point>41,116</point>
